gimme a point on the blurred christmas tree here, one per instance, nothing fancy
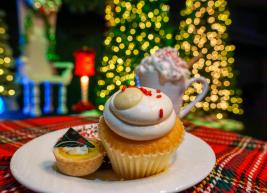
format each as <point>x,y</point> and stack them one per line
<point>7,82</point>
<point>203,30</point>
<point>136,29</point>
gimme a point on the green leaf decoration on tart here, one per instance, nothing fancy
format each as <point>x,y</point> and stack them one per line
<point>73,139</point>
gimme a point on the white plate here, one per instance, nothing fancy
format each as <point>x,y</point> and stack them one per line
<point>33,166</point>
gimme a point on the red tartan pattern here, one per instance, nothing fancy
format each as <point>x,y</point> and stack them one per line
<point>241,164</point>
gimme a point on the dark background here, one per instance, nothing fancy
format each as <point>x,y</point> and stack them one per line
<point>248,32</point>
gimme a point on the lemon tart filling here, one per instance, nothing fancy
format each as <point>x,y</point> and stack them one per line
<point>80,152</point>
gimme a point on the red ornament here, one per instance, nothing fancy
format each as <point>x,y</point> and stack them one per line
<point>158,96</point>
<point>84,62</point>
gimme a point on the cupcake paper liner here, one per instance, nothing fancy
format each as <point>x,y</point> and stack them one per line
<point>138,166</point>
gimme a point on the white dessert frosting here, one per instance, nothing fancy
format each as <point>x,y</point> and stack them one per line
<point>146,112</point>
<point>144,120</point>
<point>76,150</point>
<point>167,63</point>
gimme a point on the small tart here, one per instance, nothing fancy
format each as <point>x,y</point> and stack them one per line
<point>79,165</point>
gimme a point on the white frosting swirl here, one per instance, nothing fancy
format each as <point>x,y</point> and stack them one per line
<point>167,63</point>
<point>76,150</point>
<point>143,121</point>
<point>146,112</point>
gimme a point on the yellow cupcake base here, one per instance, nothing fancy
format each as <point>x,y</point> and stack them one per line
<point>132,167</point>
<point>136,159</point>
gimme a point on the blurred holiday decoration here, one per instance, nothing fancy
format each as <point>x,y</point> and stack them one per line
<point>38,65</point>
<point>47,11</point>
<point>204,31</point>
<point>7,80</point>
<point>45,6</point>
<point>2,105</point>
<point>84,67</point>
<point>136,29</point>
<point>8,86</point>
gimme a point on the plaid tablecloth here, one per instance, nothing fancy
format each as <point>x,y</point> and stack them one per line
<point>241,164</point>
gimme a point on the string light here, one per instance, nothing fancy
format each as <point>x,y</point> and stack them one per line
<point>204,30</point>
<point>7,86</point>
<point>136,29</point>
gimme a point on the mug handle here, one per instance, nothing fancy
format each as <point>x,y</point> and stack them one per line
<point>205,89</point>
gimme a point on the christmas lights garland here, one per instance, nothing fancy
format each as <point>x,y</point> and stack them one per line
<point>7,80</point>
<point>136,29</point>
<point>204,31</point>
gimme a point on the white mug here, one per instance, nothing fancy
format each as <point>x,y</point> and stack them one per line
<point>175,90</point>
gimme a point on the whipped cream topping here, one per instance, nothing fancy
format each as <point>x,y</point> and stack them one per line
<point>167,63</point>
<point>76,150</point>
<point>152,117</point>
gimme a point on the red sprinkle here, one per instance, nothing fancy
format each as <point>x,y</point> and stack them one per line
<point>160,113</point>
<point>142,89</point>
<point>123,88</point>
<point>145,91</point>
<point>158,91</point>
<point>158,96</point>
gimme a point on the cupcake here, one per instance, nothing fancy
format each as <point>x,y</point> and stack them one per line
<point>140,132</point>
<point>76,155</point>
